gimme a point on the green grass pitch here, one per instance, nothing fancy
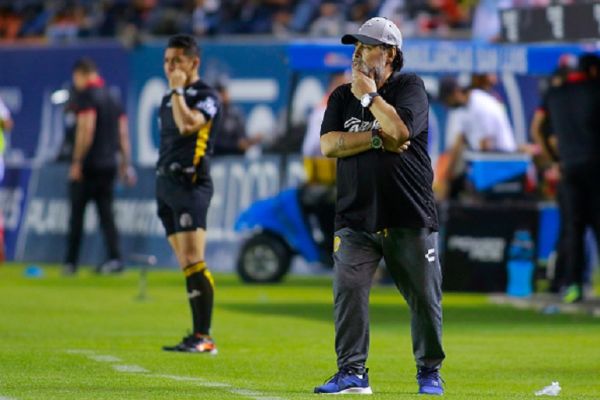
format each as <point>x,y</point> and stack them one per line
<point>88,337</point>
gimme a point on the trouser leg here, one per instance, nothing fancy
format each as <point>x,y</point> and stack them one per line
<point>575,210</point>
<point>411,256</point>
<point>104,202</point>
<point>356,257</point>
<point>78,198</point>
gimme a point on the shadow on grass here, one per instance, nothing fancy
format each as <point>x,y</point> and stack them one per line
<point>488,315</point>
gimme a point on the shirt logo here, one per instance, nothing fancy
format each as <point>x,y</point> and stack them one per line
<point>430,256</point>
<point>336,243</point>
<point>191,91</point>
<point>185,220</point>
<point>209,106</point>
<point>356,125</point>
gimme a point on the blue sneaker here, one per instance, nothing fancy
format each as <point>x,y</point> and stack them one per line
<point>346,382</point>
<point>430,382</point>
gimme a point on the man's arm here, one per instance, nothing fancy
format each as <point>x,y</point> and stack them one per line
<point>538,120</point>
<point>344,144</point>
<point>188,120</point>
<point>394,130</point>
<point>84,137</point>
<point>125,170</point>
<point>6,124</point>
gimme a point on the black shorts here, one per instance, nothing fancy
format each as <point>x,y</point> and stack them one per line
<point>183,207</point>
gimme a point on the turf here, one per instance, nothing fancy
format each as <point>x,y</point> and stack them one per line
<point>274,342</point>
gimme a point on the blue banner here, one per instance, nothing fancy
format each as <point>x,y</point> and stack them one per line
<point>36,211</point>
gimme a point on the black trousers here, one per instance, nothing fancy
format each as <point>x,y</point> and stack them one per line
<point>97,185</point>
<point>411,256</point>
<point>582,210</point>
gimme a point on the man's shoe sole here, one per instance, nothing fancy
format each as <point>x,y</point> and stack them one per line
<point>433,392</point>
<point>354,390</point>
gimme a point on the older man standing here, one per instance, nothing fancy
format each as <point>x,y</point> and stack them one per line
<point>376,127</point>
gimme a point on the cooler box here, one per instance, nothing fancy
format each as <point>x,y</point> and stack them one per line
<point>498,173</point>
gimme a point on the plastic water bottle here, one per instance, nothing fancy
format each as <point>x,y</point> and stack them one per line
<point>551,390</point>
<point>520,264</point>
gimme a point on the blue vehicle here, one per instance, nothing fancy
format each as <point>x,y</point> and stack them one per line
<point>280,227</point>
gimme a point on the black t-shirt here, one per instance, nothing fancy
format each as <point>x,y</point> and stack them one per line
<point>188,150</point>
<point>574,113</point>
<point>379,189</point>
<point>105,146</point>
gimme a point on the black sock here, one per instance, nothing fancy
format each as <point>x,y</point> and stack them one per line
<point>200,289</point>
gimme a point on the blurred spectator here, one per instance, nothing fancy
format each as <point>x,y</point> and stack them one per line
<point>232,138</point>
<point>205,16</point>
<point>133,20</point>
<point>485,127</point>
<point>574,118</point>
<point>10,23</point>
<point>6,124</point>
<point>486,20</point>
<point>320,169</point>
<point>330,21</point>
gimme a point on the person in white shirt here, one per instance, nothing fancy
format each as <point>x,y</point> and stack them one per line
<point>483,127</point>
<point>6,124</point>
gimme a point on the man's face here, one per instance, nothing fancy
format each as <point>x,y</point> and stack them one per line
<point>455,99</point>
<point>79,80</point>
<point>370,59</point>
<point>175,59</point>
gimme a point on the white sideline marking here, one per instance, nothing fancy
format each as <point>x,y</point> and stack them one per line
<point>129,368</point>
<point>78,351</point>
<point>7,398</point>
<point>104,358</point>
<point>107,359</point>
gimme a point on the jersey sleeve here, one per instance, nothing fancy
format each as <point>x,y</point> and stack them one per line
<point>84,102</point>
<point>208,104</point>
<point>333,120</point>
<point>412,105</point>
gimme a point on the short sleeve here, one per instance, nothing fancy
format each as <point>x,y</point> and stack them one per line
<point>208,105</point>
<point>4,113</point>
<point>333,120</point>
<point>544,103</point>
<point>84,101</point>
<point>412,105</point>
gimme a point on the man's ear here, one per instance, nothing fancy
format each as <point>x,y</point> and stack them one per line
<point>392,54</point>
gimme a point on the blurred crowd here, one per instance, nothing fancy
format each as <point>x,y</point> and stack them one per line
<point>63,20</point>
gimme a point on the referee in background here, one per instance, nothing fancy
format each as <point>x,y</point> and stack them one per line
<point>189,118</point>
<point>101,135</point>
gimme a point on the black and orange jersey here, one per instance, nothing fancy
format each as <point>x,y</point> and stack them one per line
<point>188,150</point>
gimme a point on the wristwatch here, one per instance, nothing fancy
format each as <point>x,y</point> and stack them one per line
<point>367,99</point>
<point>178,90</point>
<point>376,141</point>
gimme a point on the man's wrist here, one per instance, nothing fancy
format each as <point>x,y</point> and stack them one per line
<point>178,91</point>
<point>376,140</point>
<point>367,99</point>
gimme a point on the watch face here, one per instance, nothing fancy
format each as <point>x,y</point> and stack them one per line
<point>376,142</point>
<point>365,101</point>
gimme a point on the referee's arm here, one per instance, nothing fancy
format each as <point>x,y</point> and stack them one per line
<point>188,121</point>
